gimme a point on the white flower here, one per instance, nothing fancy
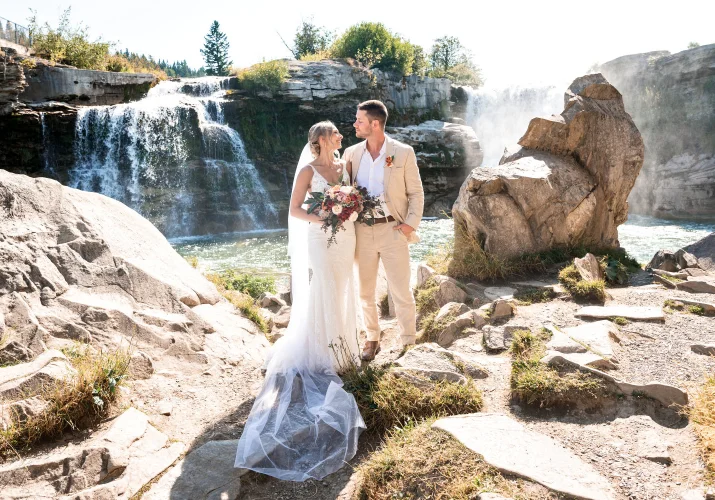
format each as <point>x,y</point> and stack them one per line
<point>346,189</point>
<point>322,214</point>
<point>353,217</point>
<point>337,209</point>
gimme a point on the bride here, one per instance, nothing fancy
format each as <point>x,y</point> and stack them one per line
<point>303,424</point>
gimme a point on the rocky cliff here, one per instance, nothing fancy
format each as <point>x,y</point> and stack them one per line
<point>164,152</point>
<point>672,101</point>
<point>274,124</point>
<point>565,185</point>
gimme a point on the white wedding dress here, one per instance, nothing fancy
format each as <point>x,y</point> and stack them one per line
<point>303,424</point>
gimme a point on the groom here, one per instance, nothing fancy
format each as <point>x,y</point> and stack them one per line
<point>388,169</point>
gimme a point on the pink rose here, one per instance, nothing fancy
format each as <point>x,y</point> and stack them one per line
<point>353,217</point>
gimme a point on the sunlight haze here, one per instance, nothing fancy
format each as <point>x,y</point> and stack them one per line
<point>514,42</point>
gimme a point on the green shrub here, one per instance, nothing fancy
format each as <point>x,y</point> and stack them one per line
<point>68,44</point>
<point>241,300</point>
<point>374,46</point>
<point>264,76</point>
<point>247,283</point>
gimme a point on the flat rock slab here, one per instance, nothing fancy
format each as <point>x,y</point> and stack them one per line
<point>513,449</point>
<point>708,307</point>
<point>49,367</point>
<point>705,349</point>
<point>432,361</point>
<point>636,313</point>
<point>580,359</point>
<point>499,292</point>
<point>206,473</point>
<point>595,336</point>
<point>698,284</point>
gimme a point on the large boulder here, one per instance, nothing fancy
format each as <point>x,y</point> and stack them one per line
<point>704,251</point>
<point>566,185</point>
<point>80,266</point>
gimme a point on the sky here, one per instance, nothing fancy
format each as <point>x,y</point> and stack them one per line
<point>514,42</point>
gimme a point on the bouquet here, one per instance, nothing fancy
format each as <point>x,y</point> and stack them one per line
<point>342,203</point>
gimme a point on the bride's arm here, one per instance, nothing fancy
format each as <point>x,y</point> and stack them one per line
<point>302,184</point>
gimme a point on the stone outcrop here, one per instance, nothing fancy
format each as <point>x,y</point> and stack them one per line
<point>445,152</point>
<point>274,124</point>
<point>670,97</point>
<point>78,266</point>
<point>517,450</point>
<point>13,81</point>
<point>83,87</point>
<point>565,186</point>
<point>114,464</point>
<point>704,251</point>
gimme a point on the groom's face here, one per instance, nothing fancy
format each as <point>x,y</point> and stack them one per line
<point>363,127</point>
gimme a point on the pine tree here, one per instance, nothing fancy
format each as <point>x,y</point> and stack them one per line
<point>215,52</point>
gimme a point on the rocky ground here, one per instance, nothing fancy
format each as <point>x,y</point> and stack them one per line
<point>642,449</point>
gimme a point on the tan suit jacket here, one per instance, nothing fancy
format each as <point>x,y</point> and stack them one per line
<point>404,195</point>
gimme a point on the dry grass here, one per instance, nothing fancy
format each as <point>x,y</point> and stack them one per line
<point>467,259</point>
<point>74,404</point>
<point>384,305</point>
<point>193,261</point>
<point>419,462</point>
<point>702,414</point>
<point>580,289</point>
<point>534,295</point>
<point>386,400</point>
<point>535,383</point>
<point>425,297</point>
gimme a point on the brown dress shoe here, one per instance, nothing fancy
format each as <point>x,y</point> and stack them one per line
<point>372,347</point>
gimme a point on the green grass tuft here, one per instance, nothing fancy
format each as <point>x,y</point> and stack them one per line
<point>582,290</point>
<point>534,295</point>
<point>619,320</point>
<point>384,306</point>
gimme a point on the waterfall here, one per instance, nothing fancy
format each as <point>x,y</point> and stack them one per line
<point>173,158</point>
<point>501,116</point>
<point>47,163</point>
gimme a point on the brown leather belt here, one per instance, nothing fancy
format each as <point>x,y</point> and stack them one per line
<point>383,220</point>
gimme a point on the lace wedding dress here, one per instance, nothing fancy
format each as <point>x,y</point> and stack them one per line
<point>303,424</point>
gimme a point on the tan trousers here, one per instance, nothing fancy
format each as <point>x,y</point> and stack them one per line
<point>377,242</point>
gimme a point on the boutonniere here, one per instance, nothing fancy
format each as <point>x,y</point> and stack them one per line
<point>389,160</point>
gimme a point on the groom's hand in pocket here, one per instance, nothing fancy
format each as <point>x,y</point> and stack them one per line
<point>405,229</point>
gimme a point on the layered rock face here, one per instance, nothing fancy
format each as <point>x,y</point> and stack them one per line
<point>445,154</point>
<point>274,124</point>
<point>672,101</point>
<point>566,184</point>
<point>81,266</point>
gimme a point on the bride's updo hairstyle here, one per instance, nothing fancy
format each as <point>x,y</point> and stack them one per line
<point>321,129</point>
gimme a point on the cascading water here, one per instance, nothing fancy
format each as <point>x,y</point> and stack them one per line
<point>47,164</point>
<point>501,116</point>
<point>172,158</point>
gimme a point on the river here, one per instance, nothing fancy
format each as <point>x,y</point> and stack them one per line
<point>265,251</point>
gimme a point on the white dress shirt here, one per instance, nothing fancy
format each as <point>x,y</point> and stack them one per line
<point>371,175</point>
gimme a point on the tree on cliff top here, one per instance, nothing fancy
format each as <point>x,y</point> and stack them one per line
<point>450,59</point>
<point>374,46</point>
<point>215,52</point>
<point>309,39</point>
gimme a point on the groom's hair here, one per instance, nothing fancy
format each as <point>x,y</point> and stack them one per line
<point>375,110</point>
